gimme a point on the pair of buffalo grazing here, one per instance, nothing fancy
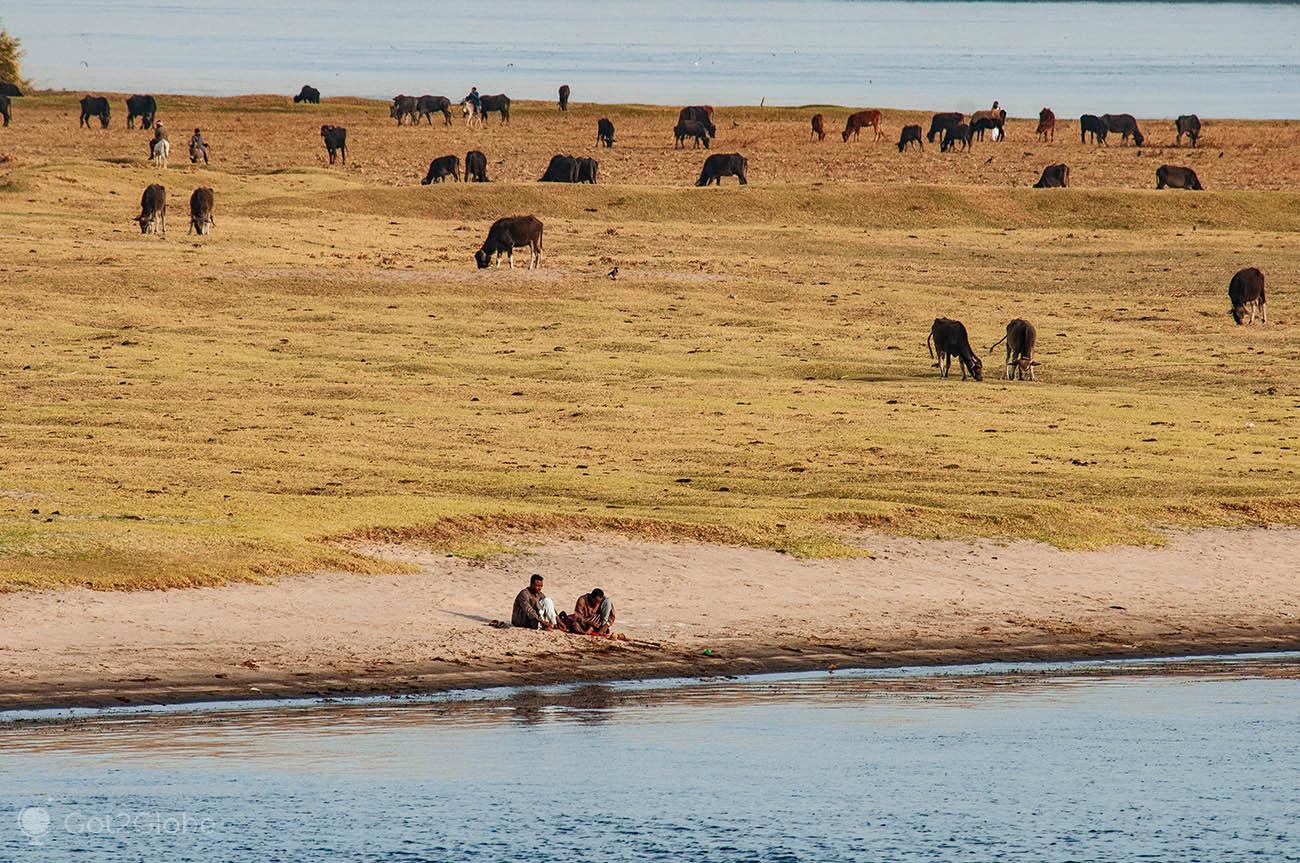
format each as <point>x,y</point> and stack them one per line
<point>948,339</point>
<point>571,169</point>
<point>153,210</point>
<point>144,107</point>
<point>336,141</point>
<point>1099,127</point>
<point>605,132</point>
<point>506,235</point>
<point>423,107</point>
<point>449,166</point>
<point>308,94</point>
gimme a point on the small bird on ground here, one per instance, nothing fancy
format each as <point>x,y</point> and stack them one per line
<point>613,274</point>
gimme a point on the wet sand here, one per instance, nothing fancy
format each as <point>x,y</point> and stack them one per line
<point>687,610</point>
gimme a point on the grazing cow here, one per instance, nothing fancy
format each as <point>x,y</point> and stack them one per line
<point>561,169</point>
<point>587,168</point>
<point>564,97</point>
<point>4,107</point>
<point>693,129</point>
<point>1021,338</point>
<point>153,210</point>
<point>1091,124</point>
<point>950,340</point>
<point>94,106</point>
<point>954,135</point>
<point>605,132</point>
<point>1189,125</point>
<point>506,235</point>
<point>307,94</point>
<point>941,123</point>
<point>721,165</point>
<point>858,121</point>
<point>698,113</point>
<point>336,141</point>
<point>201,211</point>
<point>144,107</point>
<point>1125,125</point>
<point>475,167</point>
<point>500,102</point>
<point>819,127</point>
<point>441,167</point>
<point>982,121</point>
<point>1054,177</point>
<point>428,105</point>
<point>1246,290</point>
<point>403,107</point>
<point>1177,178</point>
<point>1046,125</point>
<point>8,89</point>
<point>910,135</point>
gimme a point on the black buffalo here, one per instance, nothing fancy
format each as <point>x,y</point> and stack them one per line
<point>1054,177</point>
<point>698,113</point>
<point>442,167</point>
<point>910,135</point>
<point>721,165</point>
<point>1246,290</point>
<point>588,169</point>
<point>4,108</point>
<point>475,167</point>
<point>506,235</point>
<point>701,132</point>
<point>1189,125</point>
<point>8,89</point>
<point>950,340</point>
<point>500,103</point>
<point>153,210</point>
<point>954,135</point>
<point>427,106</point>
<point>605,132</point>
<point>1125,125</point>
<point>564,97</point>
<point>562,169</point>
<point>982,121</point>
<point>201,211</point>
<point>94,106</point>
<point>1176,177</point>
<point>336,141</point>
<point>1091,124</point>
<point>941,123</point>
<point>403,107</point>
<point>144,107</point>
<point>307,94</point>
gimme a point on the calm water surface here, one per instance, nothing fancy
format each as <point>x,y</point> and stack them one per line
<point>1036,767</point>
<point>1151,59</point>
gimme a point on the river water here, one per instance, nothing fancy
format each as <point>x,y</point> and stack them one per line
<point>1050,763</point>
<point>1222,59</point>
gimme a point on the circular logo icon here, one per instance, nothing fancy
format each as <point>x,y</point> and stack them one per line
<point>35,822</point>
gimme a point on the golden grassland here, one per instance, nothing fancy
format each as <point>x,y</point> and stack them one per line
<point>328,368</point>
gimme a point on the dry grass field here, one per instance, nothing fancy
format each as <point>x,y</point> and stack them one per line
<point>328,366</point>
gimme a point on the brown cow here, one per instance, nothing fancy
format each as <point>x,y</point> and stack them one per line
<point>1177,177</point>
<point>1021,338</point>
<point>819,127</point>
<point>201,211</point>
<point>1046,125</point>
<point>857,122</point>
<point>1054,177</point>
<point>1246,290</point>
<point>505,234</point>
<point>153,210</point>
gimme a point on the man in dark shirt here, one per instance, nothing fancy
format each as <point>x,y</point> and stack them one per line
<point>527,612</point>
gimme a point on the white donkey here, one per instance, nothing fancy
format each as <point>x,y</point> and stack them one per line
<point>159,151</point>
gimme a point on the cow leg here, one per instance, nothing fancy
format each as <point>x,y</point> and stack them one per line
<point>510,256</point>
<point>1263,311</point>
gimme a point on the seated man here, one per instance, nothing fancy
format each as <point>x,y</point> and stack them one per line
<point>198,148</point>
<point>532,609</point>
<point>593,614</point>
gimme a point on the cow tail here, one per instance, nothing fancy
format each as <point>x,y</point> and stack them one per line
<point>928,346</point>
<point>995,344</point>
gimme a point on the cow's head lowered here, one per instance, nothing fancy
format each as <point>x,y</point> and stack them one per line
<point>483,258</point>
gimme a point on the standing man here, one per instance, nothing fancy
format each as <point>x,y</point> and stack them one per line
<point>530,611</point>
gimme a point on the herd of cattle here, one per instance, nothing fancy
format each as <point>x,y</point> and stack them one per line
<point>948,338</point>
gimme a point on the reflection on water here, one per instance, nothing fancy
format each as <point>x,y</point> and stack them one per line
<point>1201,762</point>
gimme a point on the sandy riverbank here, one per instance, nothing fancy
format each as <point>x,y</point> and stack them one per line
<point>917,602</point>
